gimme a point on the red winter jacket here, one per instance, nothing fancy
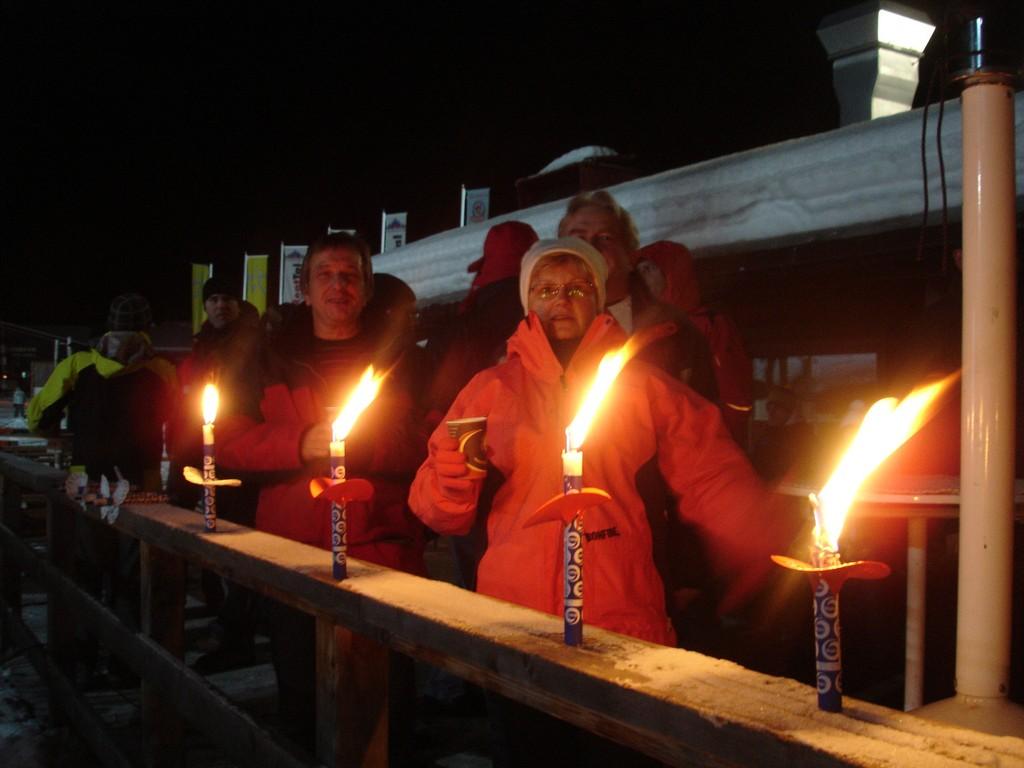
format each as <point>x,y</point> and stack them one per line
<point>384,447</point>
<point>528,401</point>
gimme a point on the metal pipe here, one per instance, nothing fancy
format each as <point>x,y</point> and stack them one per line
<point>917,563</point>
<point>988,411</point>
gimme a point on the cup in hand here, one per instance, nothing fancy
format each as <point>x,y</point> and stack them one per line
<point>470,433</point>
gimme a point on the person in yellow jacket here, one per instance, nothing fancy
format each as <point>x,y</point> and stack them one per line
<point>118,397</point>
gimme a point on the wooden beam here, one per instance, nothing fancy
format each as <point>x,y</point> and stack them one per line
<point>351,698</point>
<point>31,474</point>
<point>675,705</point>
<point>234,731</point>
<point>10,573</point>
<point>163,621</point>
<point>73,705</point>
<point>60,624</point>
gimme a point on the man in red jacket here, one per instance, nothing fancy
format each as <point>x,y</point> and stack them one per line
<point>313,365</point>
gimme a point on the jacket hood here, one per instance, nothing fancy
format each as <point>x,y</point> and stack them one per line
<point>676,263</point>
<point>530,344</point>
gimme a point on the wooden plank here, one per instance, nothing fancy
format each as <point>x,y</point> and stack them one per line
<point>234,731</point>
<point>351,698</point>
<point>60,626</point>
<point>85,721</point>
<point>163,621</point>
<point>675,705</point>
<point>31,474</point>
<point>672,704</point>
<point>10,573</point>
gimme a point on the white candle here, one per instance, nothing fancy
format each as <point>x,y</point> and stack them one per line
<point>210,403</point>
<point>339,520</point>
<point>572,463</point>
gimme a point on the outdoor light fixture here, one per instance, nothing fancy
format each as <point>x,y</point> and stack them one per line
<point>875,48</point>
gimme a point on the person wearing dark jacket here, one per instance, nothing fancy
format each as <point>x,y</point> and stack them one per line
<point>118,397</point>
<point>313,363</point>
<point>226,353</point>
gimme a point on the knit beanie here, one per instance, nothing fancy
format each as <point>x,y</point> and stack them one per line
<point>129,312</point>
<point>219,285</point>
<point>572,245</point>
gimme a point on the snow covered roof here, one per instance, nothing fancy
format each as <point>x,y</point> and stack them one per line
<point>860,179</point>
<point>577,156</point>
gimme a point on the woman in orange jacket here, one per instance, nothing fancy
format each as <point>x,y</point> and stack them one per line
<point>651,421</point>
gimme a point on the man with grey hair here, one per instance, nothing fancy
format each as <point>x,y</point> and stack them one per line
<point>597,218</point>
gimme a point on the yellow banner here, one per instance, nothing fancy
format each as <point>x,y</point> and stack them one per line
<point>200,274</point>
<point>255,288</point>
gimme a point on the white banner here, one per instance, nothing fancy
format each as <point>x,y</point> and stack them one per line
<point>334,230</point>
<point>291,267</point>
<point>476,205</point>
<point>392,230</point>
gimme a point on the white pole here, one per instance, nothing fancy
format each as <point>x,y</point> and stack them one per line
<point>988,411</point>
<point>987,415</point>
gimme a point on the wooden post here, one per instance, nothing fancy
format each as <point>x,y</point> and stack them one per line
<point>10,573</point>
<point>163,620</point>
<point>351,697</point>
<point>60,623</point>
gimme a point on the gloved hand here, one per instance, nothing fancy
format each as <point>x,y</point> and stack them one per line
<point>452,473</point>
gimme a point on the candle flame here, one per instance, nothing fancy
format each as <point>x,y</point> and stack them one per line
<point>886,426</point>
<point>363,394</point>
<point>210,402</point>
<point>611,364</point>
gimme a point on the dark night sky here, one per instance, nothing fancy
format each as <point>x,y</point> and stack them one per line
<point>143,143</point>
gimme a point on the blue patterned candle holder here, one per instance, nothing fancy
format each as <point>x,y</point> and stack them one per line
<point>827,580</point>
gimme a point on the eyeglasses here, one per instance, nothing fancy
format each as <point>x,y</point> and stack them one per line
<point>574,290</point>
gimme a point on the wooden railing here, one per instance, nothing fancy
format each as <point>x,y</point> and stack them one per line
<point>674,705</point>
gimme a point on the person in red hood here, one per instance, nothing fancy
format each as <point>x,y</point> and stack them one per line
<point>667,269</point>
<point>652,420</point>
<point>475,338</point>
<point>504,247</point>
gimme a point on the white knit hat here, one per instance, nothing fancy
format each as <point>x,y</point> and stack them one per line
<point>572,245</point>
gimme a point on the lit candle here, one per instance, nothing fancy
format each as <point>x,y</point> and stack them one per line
<point>886,426</point>
<point>210,402</point>
<point>364,393</point>
<point>339,519</point>
<point>572,483</point>
<point>572,537</point>
<point>572,466</point>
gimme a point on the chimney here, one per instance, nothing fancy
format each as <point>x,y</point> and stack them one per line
<point>875,48</point>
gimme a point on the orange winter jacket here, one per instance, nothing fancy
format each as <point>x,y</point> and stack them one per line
<point>528,401</point>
